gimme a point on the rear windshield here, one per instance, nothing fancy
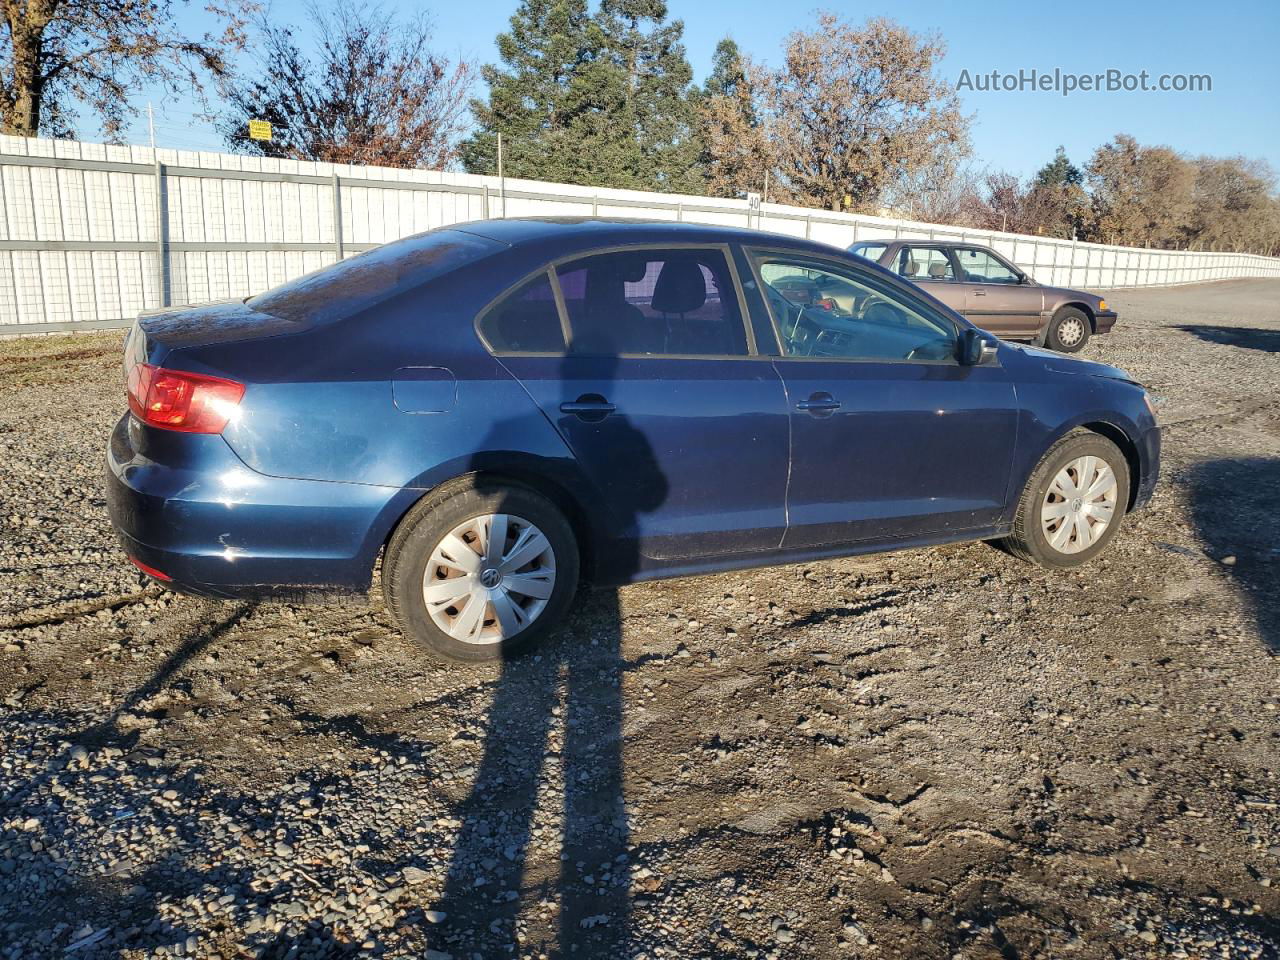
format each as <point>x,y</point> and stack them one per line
<point>359,282</point>
<point>870,251</point>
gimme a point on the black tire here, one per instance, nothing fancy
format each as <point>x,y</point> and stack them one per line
<point>410,548</point>
<point>1028,540</point>
<point>1068,331</point>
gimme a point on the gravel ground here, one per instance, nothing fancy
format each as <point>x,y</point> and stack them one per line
<point>942,753</point>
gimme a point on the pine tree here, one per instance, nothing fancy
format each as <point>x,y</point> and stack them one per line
<point>530,95</point>
<point>634,115</point>
<point>601,100</point>
<point>1059,172</point>
<point>727,71</point>
<point>1058,199</point>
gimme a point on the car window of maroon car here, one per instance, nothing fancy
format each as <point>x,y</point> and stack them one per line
<point>924,263</point>
<point>979,266</point>
<point>653,303</point>
<point>871,251</point>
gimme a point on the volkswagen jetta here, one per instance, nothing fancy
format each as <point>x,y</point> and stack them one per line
<point>498,410</point>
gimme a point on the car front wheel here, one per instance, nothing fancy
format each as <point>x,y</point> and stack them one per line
<point>1068,330</point>
<point>1074,503</point>
<point>476,571</point>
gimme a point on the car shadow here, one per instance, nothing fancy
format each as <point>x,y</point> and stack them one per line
<point>1248,338</point>
<point>555,724</point>
<point>1235,505</point>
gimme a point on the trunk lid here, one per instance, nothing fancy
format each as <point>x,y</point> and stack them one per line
<point>157,333</point>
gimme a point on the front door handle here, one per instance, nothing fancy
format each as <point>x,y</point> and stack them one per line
<point>819,404</point>
<point>978,292</point>
<point>590,407</point>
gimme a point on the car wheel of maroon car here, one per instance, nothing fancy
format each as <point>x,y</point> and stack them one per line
<point>476,571</point>
<point>1074,503</point>
<point>1068,330</point>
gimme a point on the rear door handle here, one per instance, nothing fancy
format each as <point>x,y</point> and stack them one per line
<point>978,292</point>
<point>590,407</point>
<point>819,404</point>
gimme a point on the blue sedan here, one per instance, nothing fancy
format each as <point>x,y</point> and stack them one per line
<point>500,410</point>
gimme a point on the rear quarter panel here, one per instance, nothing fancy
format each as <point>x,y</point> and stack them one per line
<point>322,404</point>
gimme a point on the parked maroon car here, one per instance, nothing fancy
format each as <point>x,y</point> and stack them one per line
<point>993,293</point>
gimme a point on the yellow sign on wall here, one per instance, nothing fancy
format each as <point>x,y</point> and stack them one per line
<point>259,130</point>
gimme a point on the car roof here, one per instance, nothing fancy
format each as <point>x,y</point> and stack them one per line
<point>602,231</point>
<point>922,241</point>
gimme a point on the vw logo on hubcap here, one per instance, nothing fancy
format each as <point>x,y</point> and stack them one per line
<point>1076,505</point>
<point>490,577</point>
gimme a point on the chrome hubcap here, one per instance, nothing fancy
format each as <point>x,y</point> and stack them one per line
<point>1080,504</point>
<point>489,578</point>
<point>1070,331</point>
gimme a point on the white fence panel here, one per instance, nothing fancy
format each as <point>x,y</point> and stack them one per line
<point>91,234</point>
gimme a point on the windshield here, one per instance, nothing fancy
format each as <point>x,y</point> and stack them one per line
<point>350,285</point>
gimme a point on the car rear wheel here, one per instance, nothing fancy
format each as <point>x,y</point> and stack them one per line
<point>477,571</point>
<point>1068,330</point>
<point>1073,505</point>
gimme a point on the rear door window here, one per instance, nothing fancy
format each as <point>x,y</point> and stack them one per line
<point>925,263</point>
<point>653,303</point>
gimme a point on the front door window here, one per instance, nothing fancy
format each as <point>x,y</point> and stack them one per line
<point>980,266</point>
<point>825,310</point>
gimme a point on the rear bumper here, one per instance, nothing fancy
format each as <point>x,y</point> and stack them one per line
<point>1104,320</point>
<point>220,529</point>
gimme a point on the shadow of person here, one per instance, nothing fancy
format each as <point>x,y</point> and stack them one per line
<point>1235,505</point>
<point>1247,338</point>
<point>502,861</point>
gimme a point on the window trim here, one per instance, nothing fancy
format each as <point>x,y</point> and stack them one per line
<point>566,327</point>
<point>756,256</point>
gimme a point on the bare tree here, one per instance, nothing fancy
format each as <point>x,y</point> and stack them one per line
<point>1005,203</point>
<point>945,190</point>
<point>855,109</point>
<point>375,93</point>
<point>58,53</point>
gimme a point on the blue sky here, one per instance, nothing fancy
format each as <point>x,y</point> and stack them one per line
<point>1236,44</point>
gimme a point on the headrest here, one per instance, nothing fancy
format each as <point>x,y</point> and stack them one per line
<point>911,269</point>
<point>681,287</point>
<point>607,274</point>
<point>938,269</point>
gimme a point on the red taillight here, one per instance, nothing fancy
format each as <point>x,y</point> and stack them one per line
<point>177,400</point>
<point>149,571</point>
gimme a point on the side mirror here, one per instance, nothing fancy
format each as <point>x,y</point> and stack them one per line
<point>977,348</point>
<point>1024,280</point>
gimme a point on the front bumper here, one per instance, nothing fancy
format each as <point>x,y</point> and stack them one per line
<point>1104,320</point>
<point>1149,457</point>
<point>195,512</point>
